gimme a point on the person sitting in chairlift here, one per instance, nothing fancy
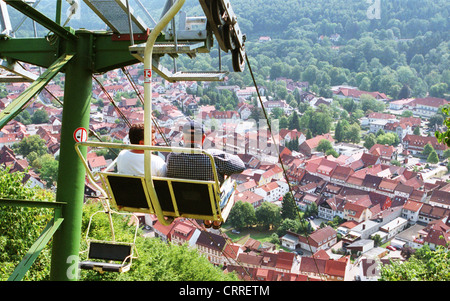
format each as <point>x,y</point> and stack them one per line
<point>131,162</point>
<point>198,166</point>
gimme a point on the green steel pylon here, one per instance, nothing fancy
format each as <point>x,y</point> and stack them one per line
<point>83,53</point>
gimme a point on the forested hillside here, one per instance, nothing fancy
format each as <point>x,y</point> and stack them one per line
<point>371,44</point>
<point>342,42</point>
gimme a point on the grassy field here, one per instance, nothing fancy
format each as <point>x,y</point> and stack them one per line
<point>262,236</point>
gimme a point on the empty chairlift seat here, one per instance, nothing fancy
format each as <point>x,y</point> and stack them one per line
<point>115,257</point>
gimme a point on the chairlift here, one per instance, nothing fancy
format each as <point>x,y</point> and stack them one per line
<point>167,198</point>
<point>109,256</point>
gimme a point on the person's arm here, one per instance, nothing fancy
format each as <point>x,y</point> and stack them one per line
<point>227,164</point>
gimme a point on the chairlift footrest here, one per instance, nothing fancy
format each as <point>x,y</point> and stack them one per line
<point>104,266</point>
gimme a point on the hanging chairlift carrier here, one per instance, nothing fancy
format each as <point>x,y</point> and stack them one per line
<point>205,200</point>
<point>109,256</point>
<point>167,198</point>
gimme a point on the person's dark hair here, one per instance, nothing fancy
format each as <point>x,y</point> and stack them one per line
<point>136,133</point>
<point>193,130</point>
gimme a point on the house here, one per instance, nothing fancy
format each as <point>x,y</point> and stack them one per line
<point>370,182</point>
<point>184,232</point>
<point>326,168</point>
<point>321,239</point>
<point>387,186</point>
<point>261,274</point>
<point>263,39</point>
<point>377,121</point>
<point>331,207</point>
<point>400,128</point>
<point>8,159</point>
<point>272,104</point>
<point>308,146</point>
<point>96,163</point>
<point>401,104</point>
<point>428,106</point>
<point>355,94</point>
<point>361,231</point>
<point>429,213</point>
<point>387,153</point>
<point>273,191</point>
<point>410,211</point>
<point>356,212</point>
<point>287,135</point>
<point>220,116</point>
<point>416,143</point>
<point>437,234</point>
<point>391,229</point>
<point>340,174</point>
<point>325,269</point>
<point>281,261</point>
<point>370,268</point>
<point>440,198</point>
<point>360,246</point>
<point>246,92</point>
<point>306,200</point>
<point>216,248</point>
<point>250,197</point>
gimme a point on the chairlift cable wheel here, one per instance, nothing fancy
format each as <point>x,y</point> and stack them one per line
<point>228,36</point>
<point>238,60</point>
<point>217,12</point>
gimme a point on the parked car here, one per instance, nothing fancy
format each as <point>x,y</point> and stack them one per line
<point>392,248</point>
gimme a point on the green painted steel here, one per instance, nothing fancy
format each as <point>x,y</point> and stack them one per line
<point>36,51</point>
<point>35,250</point>
<point>37,16</point>
<point>18,104</point>
<point>71,173</point>
<point>44,238</point>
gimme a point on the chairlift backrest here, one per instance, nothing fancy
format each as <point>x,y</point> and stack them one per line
<point>109,251</point>
<point>177,197</point>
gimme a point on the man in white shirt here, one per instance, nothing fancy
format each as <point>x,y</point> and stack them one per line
<point>131,162</point>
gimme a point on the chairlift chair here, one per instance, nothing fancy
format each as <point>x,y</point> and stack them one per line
<point>109,256</point>
<point>196,199</point>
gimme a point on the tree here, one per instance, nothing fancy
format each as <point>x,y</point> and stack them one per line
<point>288,225</point>
<point>20,227</point>
<point>353,134</point>
<point>404,93</point>
<point>39,116</point>
<point>388,138</point>
<point>377,240</point>
<point>332,152</point>
<point>407,113</point>
<point>30,144</point>
<point>444,137</point>
<point>338,135</point>
<point>427,149</point>
<point>438,90</point>
<point>369,141</point>
<point>435,120</point>
<point>433,157</point>
<point>242,215</point>
<point>268,215</point>
<point>423,265</point>
<point>324,145</point>
<point>294,121</point>
<point>417,131</point>
<point>368,102</point>
<point>288,207</point>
